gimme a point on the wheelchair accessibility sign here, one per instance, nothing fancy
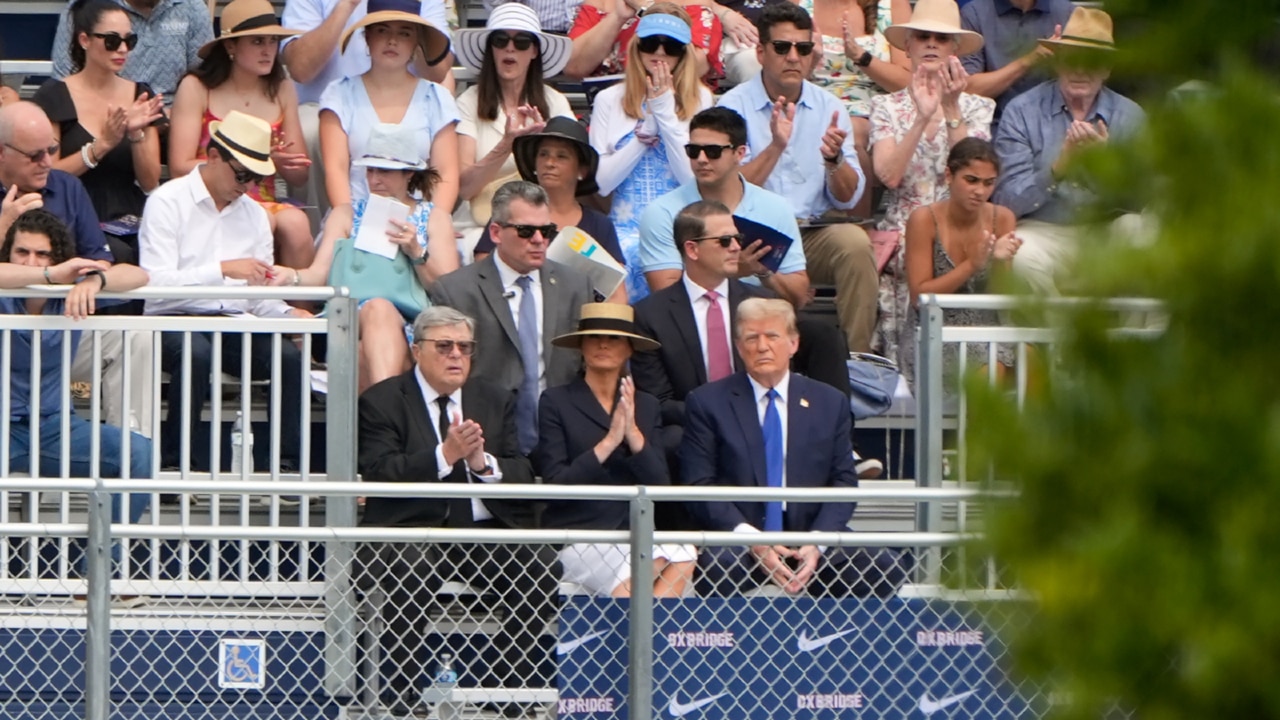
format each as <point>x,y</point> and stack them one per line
<point>242,664</point>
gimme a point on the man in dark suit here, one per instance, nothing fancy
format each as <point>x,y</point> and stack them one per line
<point>438,424</point>
<point>520,300</point>
<point>768,427</point>
<point>695,330</point>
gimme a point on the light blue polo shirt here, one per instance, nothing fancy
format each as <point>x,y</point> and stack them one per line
<point>799,175</point>
<point>657,241</point>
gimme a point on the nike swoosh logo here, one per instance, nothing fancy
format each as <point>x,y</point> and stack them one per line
<point>564,648</point>
<point>929,707</point>
<point>679,709</point>
<point>805,644</point>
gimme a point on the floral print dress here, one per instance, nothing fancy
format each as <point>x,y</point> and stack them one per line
<point>839,75</point>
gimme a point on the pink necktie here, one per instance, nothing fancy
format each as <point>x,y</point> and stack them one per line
<point>718,363</point>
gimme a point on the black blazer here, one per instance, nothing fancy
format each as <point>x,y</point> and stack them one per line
<point>676,369</point>
<point>398,444</point>
<point>571,422</point>
<point>724,445</point>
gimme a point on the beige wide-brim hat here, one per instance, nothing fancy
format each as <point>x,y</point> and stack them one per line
<point>607,319</point>
<point>247,138</point>
<point>381,11</point>
<point>1086,28</point>
<point>472,43</point>
<point>939,16</point>
<point>246,18</point>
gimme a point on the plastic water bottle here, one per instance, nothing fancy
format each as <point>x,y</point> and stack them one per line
<point>241,443</point>
<point>446,679</point>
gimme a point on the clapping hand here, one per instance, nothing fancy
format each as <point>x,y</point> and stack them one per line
<point>925,90</point>
<point>853,24</point>
<point>833,139</point>
<point>782,121</point>
<point>146,109</point>
<point>1006,247</point>
<point>1043,52</point>
<point>954,81</point>
<point>464,440</point>
<point>116,126</point>
<point>635,438</point>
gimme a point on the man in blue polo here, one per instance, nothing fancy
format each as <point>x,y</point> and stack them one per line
<point>1011,60</point>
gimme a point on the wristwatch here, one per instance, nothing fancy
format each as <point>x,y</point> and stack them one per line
<point>421,259</point>
<point>953,124</point>
<point>864,59</point>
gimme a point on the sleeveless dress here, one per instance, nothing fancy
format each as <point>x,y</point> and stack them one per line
<point>839,75</point>
<point>265,191</point>
<point>977,355</point>
<point>650,179</point>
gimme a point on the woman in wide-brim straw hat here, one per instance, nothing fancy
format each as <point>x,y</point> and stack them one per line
<point>510,99</point>
<point>599,430</point>
<point>246,55</point>
<point>912,132</point>
<point>389,93</point>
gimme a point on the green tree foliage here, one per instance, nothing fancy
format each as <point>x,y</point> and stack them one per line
<point>1148,527</point>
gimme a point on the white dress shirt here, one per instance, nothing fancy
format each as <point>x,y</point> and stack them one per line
<point>184,238</point>
<point>700,306</point>
<point>762,404</point>
<point>444,469</point>
<point>512,292</point>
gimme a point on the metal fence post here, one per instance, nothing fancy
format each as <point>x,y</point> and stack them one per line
<point>640,633</point>
<point>340,511</point>
<point>929,405</point>
<point>97,634</point>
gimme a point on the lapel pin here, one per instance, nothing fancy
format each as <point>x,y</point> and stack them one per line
<point>804,402</point>
<point>551,280</point>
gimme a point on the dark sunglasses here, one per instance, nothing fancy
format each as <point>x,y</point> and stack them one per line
<point>783,47</point>
<point>111,41</point>
<point>445,347</point>
<point>526,231</point>
<point>245,176</point>
<point>926,36</point>
<point>724,240</point>
<point>500,40</point>
<point>670,46</point>
<point>713,151</point>
<point>38,155</point>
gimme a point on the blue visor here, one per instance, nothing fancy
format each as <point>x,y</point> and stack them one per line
<point>669,25</point>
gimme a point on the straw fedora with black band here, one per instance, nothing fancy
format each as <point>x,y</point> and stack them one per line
<point>381,11</point>
<point>525,150</point>
<point>472,43</point>
<point>1087,28</point>
<point>247,18</point>
<point>247,138</point>
<point>607,319</point>
<point>938,16</point>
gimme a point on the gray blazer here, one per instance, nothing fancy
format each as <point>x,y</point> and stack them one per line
<point>477,291</point>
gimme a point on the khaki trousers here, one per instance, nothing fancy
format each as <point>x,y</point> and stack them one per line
<point>841,255</point>
<point>141,372</point>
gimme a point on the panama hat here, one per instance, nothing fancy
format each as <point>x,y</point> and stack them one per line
<point>1086,28</point>
<point>525,150</point>
<point>472,43</point>
<point>607,319</point>
<point>245,18</point>
<point>391,147</point>
<point>247,138</point>
<point>939,16</point>
<point>381,11</point>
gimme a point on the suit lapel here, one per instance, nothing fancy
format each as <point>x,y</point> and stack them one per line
<point>736,296</point>
<point>743,401</point>
<point>491,289</point>
<point>797,428</point>
<point>685,323</point>
<point>552,299</point>
<point>585,402</point>
<point>416,408</point>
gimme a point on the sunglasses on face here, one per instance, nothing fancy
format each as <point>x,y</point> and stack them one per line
<point>244,176</point>
<point>713,151</point>
<point>38,155</point>
<point>445,347</point>
<point>111,41</point>
<point>500,40</point>
<point>940,38</point>
<point>783,47</point>
<point>670,46</point>
<point>724,240</point>
<point>526,231</point>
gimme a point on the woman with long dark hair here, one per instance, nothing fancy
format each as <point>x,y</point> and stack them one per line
<point>241,70</point>
<point>104,123</point>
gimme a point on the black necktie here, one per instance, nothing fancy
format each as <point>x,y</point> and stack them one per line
<point>459,508</point>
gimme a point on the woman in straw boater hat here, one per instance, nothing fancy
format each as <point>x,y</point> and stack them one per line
<point>389,93</point>
<point>599,430</point>
<point>102,121</point>
<point>241,70</point>
<point>509,100</point>
<point>912,132</point>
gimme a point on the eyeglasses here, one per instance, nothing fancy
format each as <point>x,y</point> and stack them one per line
<point>724,240</point>
<point>926,36</point>
<point>783,47</point>
<point>500,40</point>
<point>38,155</point>
<point>670,46</point>
<point>445,347</point>
<point>713,151</point>
<point>244,176</point>
<point>111,41</point>
<point>526,231</point>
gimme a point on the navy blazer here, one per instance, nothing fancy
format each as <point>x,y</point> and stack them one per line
<point>724,445</point>
<point>570,423</point>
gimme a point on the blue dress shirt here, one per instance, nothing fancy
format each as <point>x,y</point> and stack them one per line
<point>66,198</point>
<point>1009,33</point>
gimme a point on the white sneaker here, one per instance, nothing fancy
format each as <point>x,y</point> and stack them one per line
<point>868,468</point>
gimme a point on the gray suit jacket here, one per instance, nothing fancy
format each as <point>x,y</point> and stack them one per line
<point>477,291</point>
